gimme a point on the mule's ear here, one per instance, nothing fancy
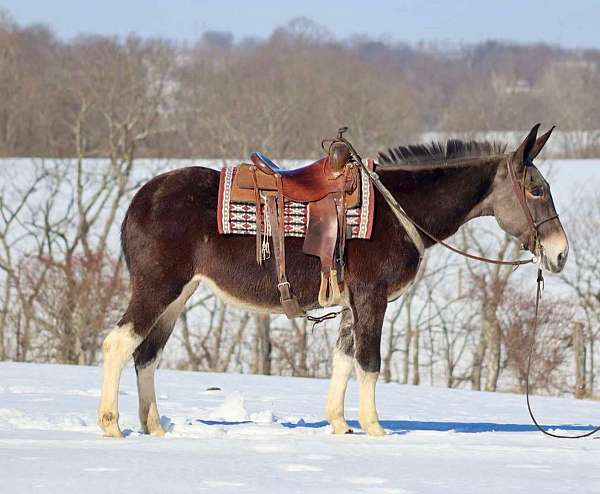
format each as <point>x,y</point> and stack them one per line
<point>540,142</point>
<point>523,152</point>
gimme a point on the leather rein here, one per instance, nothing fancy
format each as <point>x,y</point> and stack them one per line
<point>404,218</point>
<point>533,240</point>
<point>532,243</point>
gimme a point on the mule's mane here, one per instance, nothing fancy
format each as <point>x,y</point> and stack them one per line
<point>438,153</point>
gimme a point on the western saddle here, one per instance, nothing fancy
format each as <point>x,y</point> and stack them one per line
<point>329,187</point>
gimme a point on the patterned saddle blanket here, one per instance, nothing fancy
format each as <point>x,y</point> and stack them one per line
<point>236,210</point>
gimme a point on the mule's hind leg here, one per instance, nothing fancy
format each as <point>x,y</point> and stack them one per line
<point>343,365</point>
<point>370,310</point>
<point>147,357</point>
<point>145,308</point>
<point>117,348</point>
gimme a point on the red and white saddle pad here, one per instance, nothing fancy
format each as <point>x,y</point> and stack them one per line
<point>240,218</point>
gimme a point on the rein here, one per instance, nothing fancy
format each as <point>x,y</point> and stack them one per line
<point>412,225</point>
<point>538,296</point>
<point>533,241</point>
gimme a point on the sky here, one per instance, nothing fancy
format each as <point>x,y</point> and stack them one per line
<point>574,23</point>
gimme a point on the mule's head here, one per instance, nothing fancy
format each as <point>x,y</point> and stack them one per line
<point>511,211</point>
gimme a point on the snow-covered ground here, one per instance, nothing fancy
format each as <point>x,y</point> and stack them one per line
<point>267,435</point>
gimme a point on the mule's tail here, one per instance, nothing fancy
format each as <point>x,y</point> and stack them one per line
<point>124,238</point>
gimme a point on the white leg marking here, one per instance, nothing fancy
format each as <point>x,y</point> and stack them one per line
<point>367,409</point>
<point>334,410</point>
<point>118,347</point>
<point>149,416</point>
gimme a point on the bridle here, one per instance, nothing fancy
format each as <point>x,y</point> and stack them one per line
<point>411,226</point>
<point>533,239</point>
<point>532,243</point>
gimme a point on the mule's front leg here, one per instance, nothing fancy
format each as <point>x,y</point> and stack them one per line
<point>367,408</point>
<point>370,311</point>
<point>343,365</point>
<point>118,347</point>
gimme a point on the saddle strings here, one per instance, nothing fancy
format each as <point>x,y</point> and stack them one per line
<point>265,251</point>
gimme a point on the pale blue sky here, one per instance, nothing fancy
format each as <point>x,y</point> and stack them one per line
<point>571,23</point>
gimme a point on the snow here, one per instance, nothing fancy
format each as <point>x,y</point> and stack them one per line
<point>268,435</point>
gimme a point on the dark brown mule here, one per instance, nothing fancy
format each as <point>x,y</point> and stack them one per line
<point>171,244</point>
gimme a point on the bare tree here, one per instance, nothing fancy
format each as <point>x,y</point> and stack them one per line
<point>583,275</point>
<point>571,88</point>
<point>211,334</point>
<point>488,286</point>
<point>263,348</point>
<point>550,348</point>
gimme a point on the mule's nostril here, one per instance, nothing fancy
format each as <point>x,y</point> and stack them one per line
<point>561,259</point>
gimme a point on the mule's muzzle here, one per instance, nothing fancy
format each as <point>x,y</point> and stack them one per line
<point>555,251</point>
<point>554,265</point>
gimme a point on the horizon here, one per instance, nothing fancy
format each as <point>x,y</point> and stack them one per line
<point>569,26</point>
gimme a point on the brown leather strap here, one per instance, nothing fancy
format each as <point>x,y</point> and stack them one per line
<point>289,303</point>
<point>340,204</point>
<point>276,237</point>
<point>516,262</point>
<point>538,296</point>
<point>259,223</point>
<point>519,189</point>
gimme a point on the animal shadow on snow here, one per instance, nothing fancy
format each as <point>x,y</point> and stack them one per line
<point>406,426</point>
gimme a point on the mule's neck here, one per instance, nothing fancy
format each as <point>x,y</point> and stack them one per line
<point>442,200</point>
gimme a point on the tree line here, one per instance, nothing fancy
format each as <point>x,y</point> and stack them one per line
<point>221,97</point>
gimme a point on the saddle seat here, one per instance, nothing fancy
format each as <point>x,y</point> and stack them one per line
<point>266,165</point>
<point>308,183</point>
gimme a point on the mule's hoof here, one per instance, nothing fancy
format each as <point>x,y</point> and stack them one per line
<point>157,431</point>
<point>373,429</point>
<point>160,432</point>
<point>115,432</point>
<point>109,424</point>
<point>340,426</point>
<point>151,422</point>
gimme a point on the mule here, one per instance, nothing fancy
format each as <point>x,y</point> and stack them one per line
<point>171,245</point>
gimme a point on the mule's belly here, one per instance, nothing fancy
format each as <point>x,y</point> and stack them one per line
<point>239,300</point>
<point>228,266</point>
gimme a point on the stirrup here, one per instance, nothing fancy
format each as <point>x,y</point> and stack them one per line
<point>329,293</point>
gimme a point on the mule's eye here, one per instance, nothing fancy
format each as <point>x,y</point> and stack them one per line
<point>537,192</point>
